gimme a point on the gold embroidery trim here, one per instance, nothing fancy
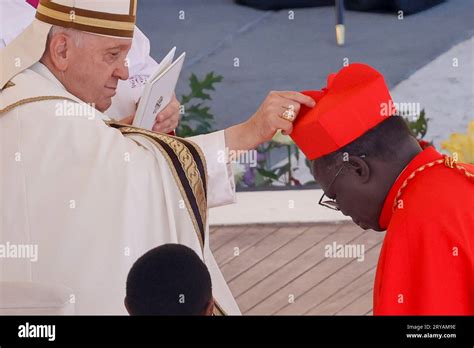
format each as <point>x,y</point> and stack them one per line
<point>179,150</point>
<point>449,162</point>
<point>9,84</point>
<point>73,17</point>
<point>186,159</point>
<point>88,13</point>
<point>192,172</point>
<point>33,100</point>
<point>133,8</point>
<point>181,188</point>
<point>189,167</point>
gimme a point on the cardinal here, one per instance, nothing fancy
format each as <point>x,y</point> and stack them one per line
<point>372,169</point>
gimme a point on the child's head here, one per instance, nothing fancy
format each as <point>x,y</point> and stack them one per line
<point>169,280</point>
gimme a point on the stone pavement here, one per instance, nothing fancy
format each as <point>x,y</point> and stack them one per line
<point>445,89</point>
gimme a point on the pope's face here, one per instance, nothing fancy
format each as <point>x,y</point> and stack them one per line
<point>95,67</point>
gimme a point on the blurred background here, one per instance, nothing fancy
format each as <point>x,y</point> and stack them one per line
<point>424,48</point>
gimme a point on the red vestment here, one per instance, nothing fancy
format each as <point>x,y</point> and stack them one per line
<point>426,266</point>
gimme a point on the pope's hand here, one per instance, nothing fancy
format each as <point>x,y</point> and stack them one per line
<point>167,120</point>
<point>267,120</point>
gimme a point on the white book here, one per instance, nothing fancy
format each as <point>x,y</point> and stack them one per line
<point>159,90</point>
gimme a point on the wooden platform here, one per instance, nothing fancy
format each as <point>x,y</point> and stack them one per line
<point>283,270</point>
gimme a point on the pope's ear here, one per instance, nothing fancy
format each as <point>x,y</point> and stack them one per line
<point>360,168</point>
<point>59,51</point>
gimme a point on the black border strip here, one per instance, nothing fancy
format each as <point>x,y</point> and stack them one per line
<point>187,187</point>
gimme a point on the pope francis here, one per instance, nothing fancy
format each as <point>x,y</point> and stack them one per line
<point>93,195</point>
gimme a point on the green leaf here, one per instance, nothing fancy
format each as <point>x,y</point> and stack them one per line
<point>260,180</point>
<point>197,118</point>
<point>210,80</point>
<point>186,99</point>
<point>199,86</point>
<point>200,111</point>
<point>297,153</point>
<point>283,169</point>
<point>267,174</point>
<point>184,130</point>
<point>419,126</point>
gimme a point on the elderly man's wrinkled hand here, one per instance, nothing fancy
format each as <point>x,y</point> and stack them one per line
<point>167,120</point>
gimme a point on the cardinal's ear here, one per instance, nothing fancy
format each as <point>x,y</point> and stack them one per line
<point>359,167</point>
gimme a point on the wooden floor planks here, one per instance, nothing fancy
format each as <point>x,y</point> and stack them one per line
<point>283,269</point>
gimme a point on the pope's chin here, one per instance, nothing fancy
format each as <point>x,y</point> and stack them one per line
<point>104,104</point>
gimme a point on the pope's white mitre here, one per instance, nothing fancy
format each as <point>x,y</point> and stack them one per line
<point>113,18</point>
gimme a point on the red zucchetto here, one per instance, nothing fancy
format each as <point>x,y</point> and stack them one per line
<point>355,100</point>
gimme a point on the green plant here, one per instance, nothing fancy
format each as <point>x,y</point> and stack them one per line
<point>265,175</point>
<point>196,118</point>
<point>282,175</point>
<point>418,125</point>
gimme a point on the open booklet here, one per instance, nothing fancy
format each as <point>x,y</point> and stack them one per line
<point>158,90</point>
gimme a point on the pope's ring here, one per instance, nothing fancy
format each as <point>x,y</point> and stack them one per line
<point>289,113</point>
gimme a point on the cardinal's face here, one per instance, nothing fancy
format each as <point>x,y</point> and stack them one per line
<point>355,195</point>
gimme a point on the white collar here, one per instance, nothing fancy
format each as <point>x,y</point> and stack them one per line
<point>43,70</point>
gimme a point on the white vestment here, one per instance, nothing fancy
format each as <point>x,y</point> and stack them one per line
<point>16,15</point>
<point>90,199</point>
